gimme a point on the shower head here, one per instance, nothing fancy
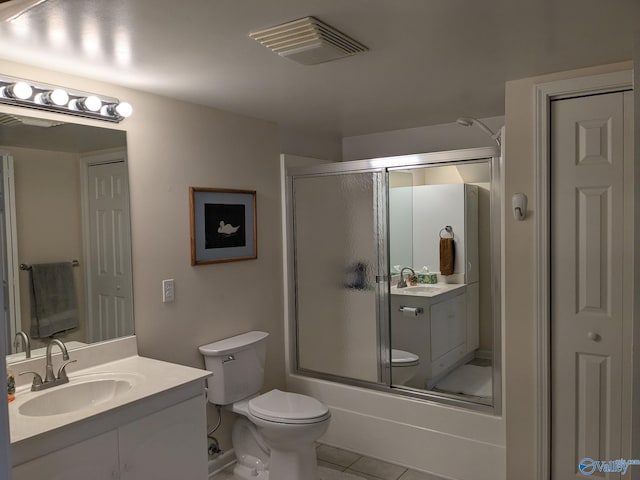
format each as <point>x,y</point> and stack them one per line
<point>468,121</point>
<point>465,121</point>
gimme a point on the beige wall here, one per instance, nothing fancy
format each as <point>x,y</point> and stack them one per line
<point>520,272</point>
<point>173,145</point>
<point>48,220</point>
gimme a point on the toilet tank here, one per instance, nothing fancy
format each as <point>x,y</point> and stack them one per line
<point>237,364</point>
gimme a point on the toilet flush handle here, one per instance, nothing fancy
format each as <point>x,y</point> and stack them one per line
<point>229,358</point>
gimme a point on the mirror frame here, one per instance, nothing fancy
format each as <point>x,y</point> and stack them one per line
<point>491,156</point>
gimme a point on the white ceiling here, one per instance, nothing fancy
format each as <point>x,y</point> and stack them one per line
<point>430,61</point>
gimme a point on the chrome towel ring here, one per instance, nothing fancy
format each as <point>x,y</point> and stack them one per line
<point>447,229</point>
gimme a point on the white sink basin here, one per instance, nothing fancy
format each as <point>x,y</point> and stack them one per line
<point>417,290</point>
<point>421,289</point>
<point>80,393</point>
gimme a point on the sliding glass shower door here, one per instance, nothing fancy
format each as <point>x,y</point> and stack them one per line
<point>339,265</point>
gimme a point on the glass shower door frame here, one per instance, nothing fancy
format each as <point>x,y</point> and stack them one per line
<point>383,166</point>
<point>381,275</point>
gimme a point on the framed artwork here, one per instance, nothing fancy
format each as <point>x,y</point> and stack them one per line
<point>223,225</point>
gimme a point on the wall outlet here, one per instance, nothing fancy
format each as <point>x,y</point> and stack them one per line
<point>168,290</point>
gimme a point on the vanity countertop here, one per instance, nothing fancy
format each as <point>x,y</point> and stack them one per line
<point>430,290</point>
<point>150,377</point>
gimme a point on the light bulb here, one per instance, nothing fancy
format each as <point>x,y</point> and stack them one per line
<point>124,109</point>
<point>92,103</point>
<point>19,90</point>
<point>22,90</point>
<point>59,97</point>
<point>53,97</point>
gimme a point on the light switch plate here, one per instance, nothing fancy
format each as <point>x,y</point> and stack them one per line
<point>168,290</point>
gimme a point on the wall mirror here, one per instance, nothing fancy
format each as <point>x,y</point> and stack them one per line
<point>395,275</point>
<point>65,200</point>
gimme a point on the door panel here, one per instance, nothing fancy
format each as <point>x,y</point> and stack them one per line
<point>587,221</point>
<point>110,303</point>
<point>336,245</point>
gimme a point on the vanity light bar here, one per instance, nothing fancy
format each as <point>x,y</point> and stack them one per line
<point>41,96</point>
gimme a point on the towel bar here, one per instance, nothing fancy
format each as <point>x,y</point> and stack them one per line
<point>24,266</point>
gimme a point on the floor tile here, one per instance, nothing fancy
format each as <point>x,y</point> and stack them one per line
<point>331,474</point>
<point>413,475</point>
<point>337,456</point>
<point>361,468</point>
<point>377,468</point>
<point>366,476</point>
<point>333,466</point>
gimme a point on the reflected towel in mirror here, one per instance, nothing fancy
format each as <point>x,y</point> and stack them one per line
<point>54,305</point>
<point>447,256</point>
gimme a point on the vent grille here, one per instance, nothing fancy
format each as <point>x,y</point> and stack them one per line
<point>308,41</point>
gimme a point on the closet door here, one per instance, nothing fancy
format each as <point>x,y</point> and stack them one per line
<point>588,158</point>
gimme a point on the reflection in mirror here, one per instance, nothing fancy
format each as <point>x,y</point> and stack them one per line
<point>441,322</point>
<point>394,281</point>
<point>65,231</point>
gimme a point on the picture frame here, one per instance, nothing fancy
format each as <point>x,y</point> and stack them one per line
<point>223,225</point>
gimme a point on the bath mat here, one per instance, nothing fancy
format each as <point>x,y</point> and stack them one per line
<point>468,380</point>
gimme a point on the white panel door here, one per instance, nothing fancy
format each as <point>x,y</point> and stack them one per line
<point>110,296</point>
<point>587,225</point>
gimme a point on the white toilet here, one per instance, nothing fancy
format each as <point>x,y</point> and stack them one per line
<point>275,437</point>
<point>404,365</point>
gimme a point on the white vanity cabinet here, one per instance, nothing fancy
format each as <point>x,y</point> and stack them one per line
<point>168,444</point>
<point>171,444</point>
<point>444,335</point>
<point>448,333</point>
<point>95,458</point>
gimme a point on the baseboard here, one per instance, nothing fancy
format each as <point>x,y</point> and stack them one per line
<point>221,462</point>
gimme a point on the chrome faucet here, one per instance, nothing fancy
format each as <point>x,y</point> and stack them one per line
<point>50,379</point>
<point>26,343</point>
<point>403,283</point>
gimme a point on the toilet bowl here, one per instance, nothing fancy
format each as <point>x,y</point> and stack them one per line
<point>289,424</point>
<point>404,365</point>
<point>274,437</point>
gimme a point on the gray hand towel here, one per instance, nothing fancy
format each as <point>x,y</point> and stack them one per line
<point>54,305</point>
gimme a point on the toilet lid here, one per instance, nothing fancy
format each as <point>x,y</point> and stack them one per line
<point>285,407</point>
<point>400,358</point>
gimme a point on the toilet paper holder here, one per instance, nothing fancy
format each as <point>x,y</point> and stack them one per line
<point>417,310</point>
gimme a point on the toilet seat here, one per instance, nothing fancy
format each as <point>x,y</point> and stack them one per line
<point>286,407</point>
<point>400,358</point>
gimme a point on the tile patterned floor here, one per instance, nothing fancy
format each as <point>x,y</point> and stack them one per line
<point>337,464</point>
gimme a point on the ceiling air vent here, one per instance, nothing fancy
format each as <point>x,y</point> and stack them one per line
<point>308,41</point>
